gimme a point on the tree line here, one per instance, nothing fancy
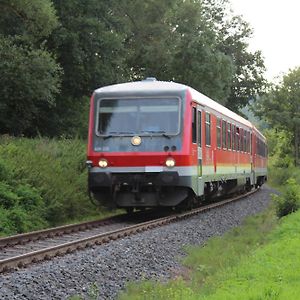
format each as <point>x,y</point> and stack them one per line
<point>280,108</point>
<point>55,53</point>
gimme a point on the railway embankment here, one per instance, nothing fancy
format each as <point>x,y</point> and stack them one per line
<point>42,184</point>
<point>104,271</point>
<point>258,260</point>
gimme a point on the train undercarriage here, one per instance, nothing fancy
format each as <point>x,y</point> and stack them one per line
<point>164,189</point>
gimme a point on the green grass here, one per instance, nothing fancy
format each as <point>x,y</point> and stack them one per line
<point>245,263</point>
<point>48,173</point>
<point>270,272</point>
<point>257,261</point>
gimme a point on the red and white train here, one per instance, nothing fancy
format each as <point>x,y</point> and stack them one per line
<point>154,143</point>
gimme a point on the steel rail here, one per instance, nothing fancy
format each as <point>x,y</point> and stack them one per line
<point>21,239</point>
<point>58,250</point>
<point>56,231</point>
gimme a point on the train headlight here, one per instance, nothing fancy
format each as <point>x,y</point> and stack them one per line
<point>170,162</point>
<point>103,163</point>
<point>136,140</point>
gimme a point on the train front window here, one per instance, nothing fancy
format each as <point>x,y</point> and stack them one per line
<point>138,116</point>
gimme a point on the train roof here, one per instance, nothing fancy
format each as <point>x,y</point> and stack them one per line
<point>204,100</point>
<point>146,85</point>
<point>151,84</point>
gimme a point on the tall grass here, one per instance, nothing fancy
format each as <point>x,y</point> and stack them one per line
<point>52,170</point>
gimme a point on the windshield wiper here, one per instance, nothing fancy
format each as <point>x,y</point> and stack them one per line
<point>163,133</point>
<point>116,133</point>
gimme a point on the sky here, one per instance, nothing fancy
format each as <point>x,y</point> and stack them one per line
<point>276,25</point>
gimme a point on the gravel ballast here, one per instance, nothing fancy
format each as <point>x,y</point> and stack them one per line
<point>105,269</point>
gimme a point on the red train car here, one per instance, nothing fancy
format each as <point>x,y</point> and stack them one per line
<point>154,143</point>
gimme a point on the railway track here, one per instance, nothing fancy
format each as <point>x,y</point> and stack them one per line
<point>24,249</point>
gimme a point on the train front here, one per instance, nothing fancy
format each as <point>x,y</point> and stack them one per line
<point>138,145</point>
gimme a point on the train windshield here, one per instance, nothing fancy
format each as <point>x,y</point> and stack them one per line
<point>138,116</point>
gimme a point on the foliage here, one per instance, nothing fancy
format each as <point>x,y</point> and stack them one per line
<point>248,80</point>
<point>199,43</point>
<point>289,201</point>
<point>149,41</point>
<point>30,76</point>
<point>281,108</point>
<point>31,20</point>
<point>88,46</point>
<point>253,268</point>
<point>55,53</point>
<point>198,61</point>
<point>43,183</point>
<point>280,163</point>
<point>207,267</point>
<point>21,205</point>
<point>29,83</point>
<point>174,290</point>
<point>266,273</point>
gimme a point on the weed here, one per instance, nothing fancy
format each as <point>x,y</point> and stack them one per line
<point>289,201</point>
<point>45,179</point>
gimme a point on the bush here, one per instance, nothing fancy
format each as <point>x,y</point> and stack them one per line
<point>46,178</point>
<point>21,208</point>
<point>289,201</point>
<point>17,220</point>
<point>8,198</point>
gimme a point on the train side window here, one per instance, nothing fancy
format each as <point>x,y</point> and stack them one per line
<point>245,141</point>
<point>224,128</point>
<point>219,133</point>
<point>250,143</point>
<point>229,136</point>
<point>194,124</point>
<point>199,128</point>
<point>242,139</point>
<point>237,139</point>
<point>233,136</point>
<point>207,129</point>
<point>248,139</point>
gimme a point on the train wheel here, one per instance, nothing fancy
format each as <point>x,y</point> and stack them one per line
<point>188,204</point>
<point>129,210</point>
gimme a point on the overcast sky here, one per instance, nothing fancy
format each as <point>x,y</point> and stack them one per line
<point>276,25</point>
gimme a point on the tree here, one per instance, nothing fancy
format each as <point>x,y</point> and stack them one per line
<point>31,20</point>
<point>88,45</point>
<point>248,80</point>
<point>79,45</point>
<point>281,108</point>
<point>197,60</point>
<point>29,81</point>
<point>197,42</point>
<point>233,34</point>
<point>30,77</point>
<point>149,40</point>
<point>171,40</point>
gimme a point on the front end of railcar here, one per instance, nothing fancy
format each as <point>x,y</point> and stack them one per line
<point>138,145</point>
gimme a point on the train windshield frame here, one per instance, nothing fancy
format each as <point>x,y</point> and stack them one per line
<point>155,116</point>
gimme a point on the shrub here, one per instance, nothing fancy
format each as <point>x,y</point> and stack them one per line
<point>289,201</point>
<point>17,220</point>
<point>44,177</point>
<point>8,198</point>
<point>29,197</point>
<point>21,208</point>
<point>5,173</point>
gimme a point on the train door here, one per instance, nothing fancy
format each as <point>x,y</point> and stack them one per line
<point>199,146</point>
